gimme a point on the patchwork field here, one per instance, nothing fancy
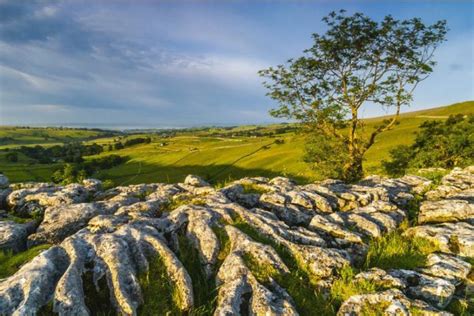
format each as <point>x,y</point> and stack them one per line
<point>216,158</point>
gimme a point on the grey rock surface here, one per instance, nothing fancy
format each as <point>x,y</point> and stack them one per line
<point>115,235</point>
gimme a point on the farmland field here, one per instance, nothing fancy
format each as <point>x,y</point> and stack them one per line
<point>216,154</point>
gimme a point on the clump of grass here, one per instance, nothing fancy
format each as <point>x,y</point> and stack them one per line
<point>396,251</point>
<point>10,262</point>
<point>185,199</point>
<point>97,299</point>
<point>16,219</point>
<point>413,208</point>
<point>224,243</point>
<point>461,306</point>
<point>346,286</point>
<point>375,310</point>
<point>159,295</point>
<point>435,175</point>
<point>203,287</point>
<point>224,183</point>
<point>252,188</point>
<point>299,284</point>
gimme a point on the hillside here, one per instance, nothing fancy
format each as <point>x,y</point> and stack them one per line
<point>258,246</point>
<point>220,154</point>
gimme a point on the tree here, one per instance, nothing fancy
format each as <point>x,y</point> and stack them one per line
<point>12,156</point>
<point>445,144</point>
<point>357,61</point>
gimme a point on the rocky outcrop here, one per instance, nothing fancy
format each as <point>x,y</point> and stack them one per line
<point>13,235</point>
<point>389,302</point>
<point>247,237</point>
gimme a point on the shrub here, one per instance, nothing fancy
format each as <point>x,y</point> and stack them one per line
<point>12,156</point>
<point>445,144</point>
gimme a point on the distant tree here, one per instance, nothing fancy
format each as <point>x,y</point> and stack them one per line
<point>12,156</point>
<point>357,61</point>
<point>438,144</point>
<point>118,146</point>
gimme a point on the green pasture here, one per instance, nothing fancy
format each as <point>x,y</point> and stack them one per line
<point>219,159</point>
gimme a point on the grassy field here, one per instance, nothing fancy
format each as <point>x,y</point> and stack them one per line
<point>170,159</point>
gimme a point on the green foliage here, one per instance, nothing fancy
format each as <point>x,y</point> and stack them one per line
<point>101,163</point>
<point>96,298</point>
<point>184,199</point>
<point>158,292</point>
<point>461,307</point>
<point>299,284</point>
<point>10,262</point>
<point>108,184</point>
<point>12,156</point>
<point>224,244</point>
<point>356,61</point>
<point>16,219</point>
<point>413,208</point>
<point>435,175</point>
<point>445,144</point>
<point>204,288</point>
<point>346,286</point>
<point>250,188</point>
<point>227,156</point>
<point>396,251</point>
<point>69,174</point>
<point>325,154</point>
<point>69,152</point>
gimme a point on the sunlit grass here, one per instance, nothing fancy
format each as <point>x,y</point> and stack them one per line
<point>11,263</point>
<point>396,251</point>
<point>159,295</point>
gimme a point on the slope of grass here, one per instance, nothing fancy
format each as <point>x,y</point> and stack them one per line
<point>224,157</point>
<point>10,263</point>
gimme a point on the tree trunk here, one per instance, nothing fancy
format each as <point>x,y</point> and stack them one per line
<point>353,170</point>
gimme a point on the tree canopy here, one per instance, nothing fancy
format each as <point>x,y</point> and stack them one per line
<point>357,61</point>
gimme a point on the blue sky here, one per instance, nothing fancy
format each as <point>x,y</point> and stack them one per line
<point>182,63</point>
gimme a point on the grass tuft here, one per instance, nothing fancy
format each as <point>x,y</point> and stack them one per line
<point>159,295</point>
<point>395,251</point>
<point>204,288</point>
<point>346,286</point>
<point>184,200</point>
<point>11,263</point>
<point>251,188</point>
<point>300,285</point>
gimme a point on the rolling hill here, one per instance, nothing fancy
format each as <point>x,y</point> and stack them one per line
<point>220,154</point>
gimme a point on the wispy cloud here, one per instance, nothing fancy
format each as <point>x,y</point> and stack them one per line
<point>163,62</point>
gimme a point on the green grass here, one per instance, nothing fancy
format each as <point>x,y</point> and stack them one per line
<point>434,176</point>
<point>346,286</point>
<point>11,136</point>
<point>11,263</point>
<point>204,288</point>
<point>159,294</point>
<point>97,300</point>
<point>299,284</point>
<point>16,219</point>
<point>220,158</point>
<point>250,188</point>
<point>184,199</point>
<point>461,307</point>
<point>396,251</point>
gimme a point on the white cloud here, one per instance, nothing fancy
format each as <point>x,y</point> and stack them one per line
<point>46,12</point>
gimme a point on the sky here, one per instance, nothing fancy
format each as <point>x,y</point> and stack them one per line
<point>187,63</point>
